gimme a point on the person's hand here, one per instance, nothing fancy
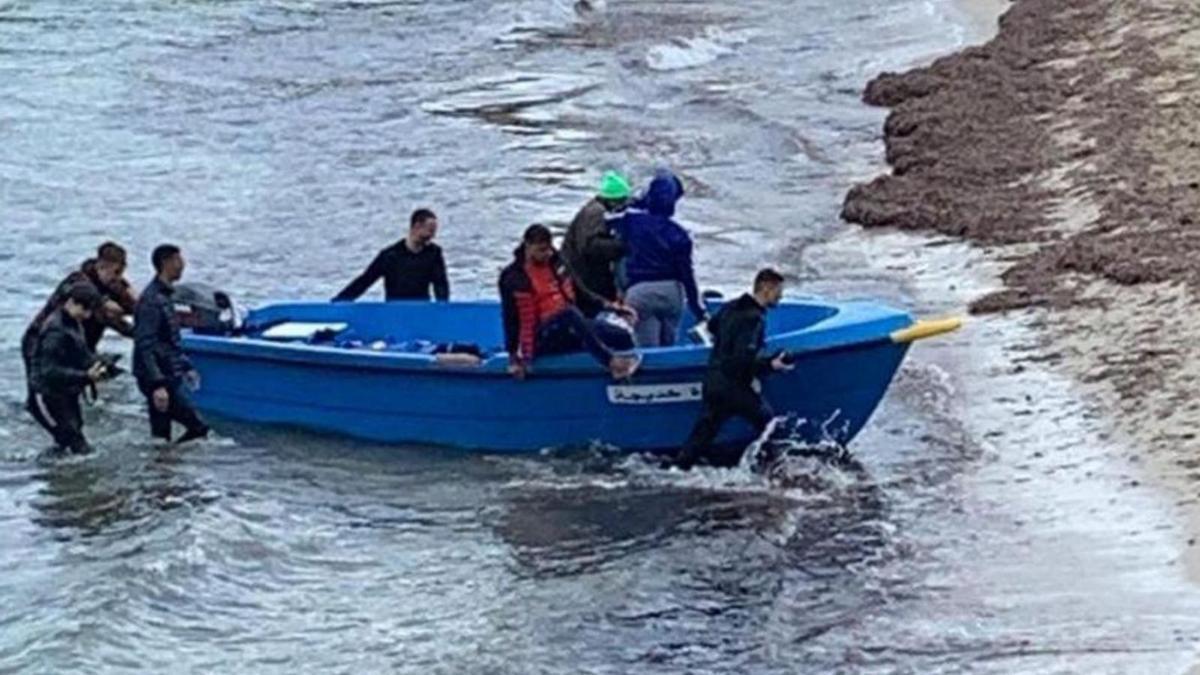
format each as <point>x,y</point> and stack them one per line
<point>97,371</point>
<point>193,380</point>
<point>111,308</point>
<point>782,363</point>
<point>162,399</point>
<point>518,370</point>
<point>624,311</point>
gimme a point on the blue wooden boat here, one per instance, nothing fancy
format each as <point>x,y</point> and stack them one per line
<point>846,355</point>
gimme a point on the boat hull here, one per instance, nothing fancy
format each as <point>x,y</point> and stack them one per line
<point>833,391</point>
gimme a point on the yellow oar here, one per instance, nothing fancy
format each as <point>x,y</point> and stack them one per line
<point>927,328</point>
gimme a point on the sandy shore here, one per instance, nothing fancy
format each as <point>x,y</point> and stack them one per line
<point>1068,148</point>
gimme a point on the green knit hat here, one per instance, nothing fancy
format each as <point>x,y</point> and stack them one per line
<point>614,186</point>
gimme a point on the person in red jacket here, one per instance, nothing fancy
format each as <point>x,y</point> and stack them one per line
<point>541,318</point>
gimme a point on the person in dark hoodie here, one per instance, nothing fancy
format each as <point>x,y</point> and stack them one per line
<point>105,273</point>
<point>590,248</point>
<point>736,360</point>
<point>659,276</point>
<point>409,268</point>
<point>62,365</point>
<point>540,315</point>
<point>159,364</point>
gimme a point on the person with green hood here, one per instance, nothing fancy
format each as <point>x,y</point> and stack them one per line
<point>592,251</point>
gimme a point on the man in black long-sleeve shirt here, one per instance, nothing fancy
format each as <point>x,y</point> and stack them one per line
<point>409,268</point>
<point>159,364</point>
<point>737,358</point>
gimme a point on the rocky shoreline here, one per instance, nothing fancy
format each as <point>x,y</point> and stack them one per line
<point>1068,148</point>
<point>1070,131</point>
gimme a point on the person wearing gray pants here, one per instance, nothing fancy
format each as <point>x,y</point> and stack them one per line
<point>658,270</point>
<point>659,307</point>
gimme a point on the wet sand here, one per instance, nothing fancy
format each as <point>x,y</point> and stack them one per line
<point>1068,150</point>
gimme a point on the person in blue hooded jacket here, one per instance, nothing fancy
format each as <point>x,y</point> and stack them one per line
<point>658,275</point>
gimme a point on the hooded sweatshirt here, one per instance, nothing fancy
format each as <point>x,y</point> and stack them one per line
<point>659,248</point>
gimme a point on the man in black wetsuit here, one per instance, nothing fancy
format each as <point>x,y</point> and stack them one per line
<point>62,365</point>
<point>739,334</point>
<point>163,371</point>
<point>409,268</point>
<point>105,273</point>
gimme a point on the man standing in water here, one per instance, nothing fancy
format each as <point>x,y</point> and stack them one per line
<point>590,248</point>
<point>104,273</point>
<point>739,334</point>
<point>409,268</point>
<point>62,365</point>
<point>159,364</point>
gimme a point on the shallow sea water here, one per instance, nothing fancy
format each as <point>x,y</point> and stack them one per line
<point>283,143</point>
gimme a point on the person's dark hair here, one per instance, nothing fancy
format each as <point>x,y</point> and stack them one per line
<point>162,254</point>
<point>767,277</point>
<point>112,253</point>
<point>537,234</point>
<point>420,216</point>
<point>85,294</point>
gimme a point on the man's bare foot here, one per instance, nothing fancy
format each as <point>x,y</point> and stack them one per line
<point>622,367</point>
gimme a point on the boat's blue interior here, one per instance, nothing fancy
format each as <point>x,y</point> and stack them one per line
<point>477,323</point>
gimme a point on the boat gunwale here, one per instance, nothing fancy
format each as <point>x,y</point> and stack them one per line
<point>843,330</point>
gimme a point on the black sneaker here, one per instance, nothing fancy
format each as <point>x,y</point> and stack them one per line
<point>192,434</point>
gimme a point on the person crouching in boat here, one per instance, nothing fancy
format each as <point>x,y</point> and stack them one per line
<point>658,269</point>
<point>736,360</point>
<point>540,315</point>
<point>409,268</point>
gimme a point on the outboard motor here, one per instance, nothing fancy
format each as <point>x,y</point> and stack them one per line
<point>206,310</point>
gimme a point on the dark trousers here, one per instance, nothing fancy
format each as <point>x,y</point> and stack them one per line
<point>570,331</point>
<point>61,417</point>
<point>721,403</point>
<point>180,410</point>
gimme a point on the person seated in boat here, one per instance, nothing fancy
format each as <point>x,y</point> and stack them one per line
<point>541,317</point>
<point>590,248</point>
<point>409,268</point>
<point>104,273</point>
<point>737,359</point>
<point>659,275</point>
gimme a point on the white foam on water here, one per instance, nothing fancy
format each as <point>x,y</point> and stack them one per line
<point>693,52</point>
<point>1063,527</point>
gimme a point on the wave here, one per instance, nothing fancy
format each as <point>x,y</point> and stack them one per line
<point>693,52</point>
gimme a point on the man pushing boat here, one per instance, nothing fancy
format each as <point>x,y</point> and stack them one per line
<point>736,361</point>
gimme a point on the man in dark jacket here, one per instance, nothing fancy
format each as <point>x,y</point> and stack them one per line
<point>159,364</point>
<point>409,268</point>
<point>737,359</point>
<point>659,275</point>
<point>105,273</point>
<point>540,315</point>
<point>591,249</point>
<point>62,365</point>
